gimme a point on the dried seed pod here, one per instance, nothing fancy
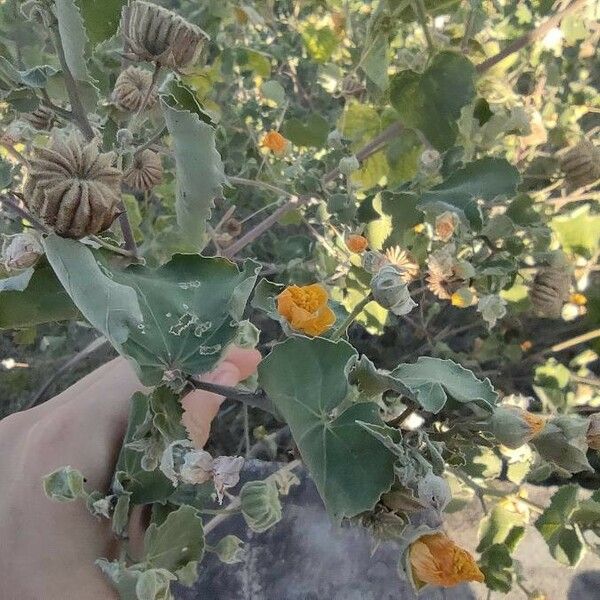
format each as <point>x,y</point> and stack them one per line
<point>145,172</point>
<point>581,164</point>
<point>21,251</point>
<point>158,35</point>
<point>131,89</point>
<point>550,290</point>
<point>42,118</point>
<point>73,187</point>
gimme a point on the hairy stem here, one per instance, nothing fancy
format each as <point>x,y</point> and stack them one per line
<point>255,399</point>
<point>341,329</point>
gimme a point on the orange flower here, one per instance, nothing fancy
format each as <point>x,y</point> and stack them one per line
<point>305,308</point>
<point>436,559</point>
<point>356,243</point>
<point>275,142</point>
<point>445,225</point>
<point>578,299</point>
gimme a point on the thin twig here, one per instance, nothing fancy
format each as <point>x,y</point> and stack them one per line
<point>421,14</point>
<point>255,399</point>
<point>341,329</point>
<point>127,230</point>
<point>260,184</point>
<point>112,247</point>
<point>153,140</point>
<point>79,112</point>
<point>14,207</point>
<point>532,36</point>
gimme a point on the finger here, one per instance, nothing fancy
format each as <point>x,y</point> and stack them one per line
<point>245,359</point>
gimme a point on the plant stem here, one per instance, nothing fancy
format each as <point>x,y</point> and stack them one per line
<point>79,113</point>
<point>24,214</point>
<point>580,339</point>
<point>341,329</point>
<point>530,37</point>
<point>153,140</point>
<point>256,399</point>
<point>261,184</point>
<point>112,247</point>
<point>235,504</point>
<point>419,10</point>
<point>14,153</point>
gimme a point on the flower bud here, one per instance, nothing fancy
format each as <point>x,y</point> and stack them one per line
<point>260,505</point>
<point>512,426</point>
<point>593,432</point>
<point>348,164</point>
<point>390,290</point>
<point>434,491</point>
<point>431,160</point>
<point>21,251</point>
<point>372,261</point>
<point>334,139</point>
<point>356,243</point>
<point>445,225</point>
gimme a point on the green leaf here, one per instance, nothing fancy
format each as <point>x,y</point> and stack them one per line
<point>305,379</point>
<point>101,17</point>
<point>375,62</point>
<point>434,379</point>
<point>273,90</point>
<point>483,179</point>
<point>145,487</point>
<point>555,526</point>
<point>178,541</point>
<point>200,174</point>
<point>497,567</point>
<point>164,319</point>
<point>500,527</point>
<point>34,297</point>
<point>320,43</point>
<point>309,132</point>
<point>578,231</point>
<point>432,101</point>
<point>73,36</point>
<point>64,485</point>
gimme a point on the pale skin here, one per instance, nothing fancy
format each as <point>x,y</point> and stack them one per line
<point>48,549</point>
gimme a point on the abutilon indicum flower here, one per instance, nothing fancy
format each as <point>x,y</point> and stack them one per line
<point>305,308</point>
<point>275,142</point>
<point>437,560</point>
<point>356,243</point>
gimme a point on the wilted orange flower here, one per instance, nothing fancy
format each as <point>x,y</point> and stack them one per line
<point>436,559</point>
<point>526,345</point>
<point>275,142</point>
<point>535,422</point>
<point>305,308</point>
<point>445,225</point>
<point>356,243</point>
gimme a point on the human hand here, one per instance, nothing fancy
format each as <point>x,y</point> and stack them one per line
<point>48,550</point>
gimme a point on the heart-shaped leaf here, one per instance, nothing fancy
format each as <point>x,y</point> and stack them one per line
<point>305,378</point>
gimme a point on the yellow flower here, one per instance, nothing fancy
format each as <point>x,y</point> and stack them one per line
<point>405,261</point>
<point>305,308</point>
<point>445,225</point>
<point>420,228</point>
<point>462,298</point>
<point>356,243</point>
<point>436,559</point>
<point>578,299</point>
<point>275,142</point>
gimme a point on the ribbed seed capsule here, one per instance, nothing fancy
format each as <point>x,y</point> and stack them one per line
<point>145,173</point>
<point>73,187</point>
<point>158,35</point>
<point>549,291</point>
<point>131,88</point>
<point>581,164</point>
<point>42,118</point>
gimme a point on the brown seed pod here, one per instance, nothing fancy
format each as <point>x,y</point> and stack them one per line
<point>158,35</point>
<point>72,187</point>
<point>581,164</point>
<point>42,118</point>
<point>549,291</point>
<point>131,89</point>
<point>145,172</point>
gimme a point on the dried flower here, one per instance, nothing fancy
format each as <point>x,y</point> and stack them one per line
<point>42,118</point>
<point>437,560</point>
<point>405,261</point>
<point>21,251</point>
<point>132,87</point>
<point>275,142</point>
<point>158,35</point>
<point>593,432</point>
<point>73,188</point>
<point>550,290</point>
<point>445,225</point>
<point>305,308</point>
<point>145,172</point>
<point>444,273</point>
<point>357,243</point>
<point>581,164</point>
